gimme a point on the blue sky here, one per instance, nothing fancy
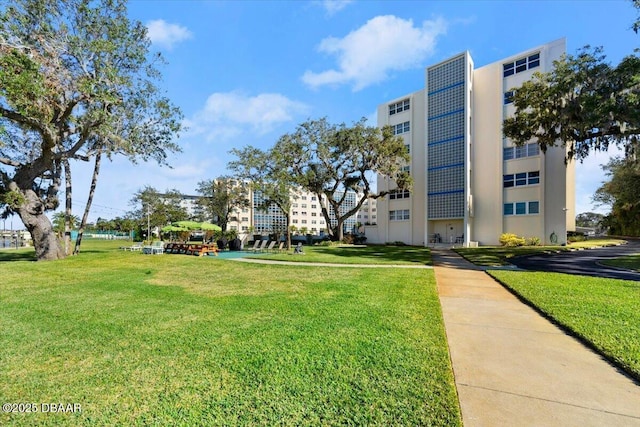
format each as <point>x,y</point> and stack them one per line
<point>246,72</point>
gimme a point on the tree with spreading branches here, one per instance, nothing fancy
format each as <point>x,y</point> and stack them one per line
<point>332,160</point>
<point>268,175</point>
<point>220,197</point>
<point>77,82</point>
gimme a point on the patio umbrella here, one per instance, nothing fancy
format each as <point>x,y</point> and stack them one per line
<point>207,226</point>
<point>189,225</point>
<point>169,228</point>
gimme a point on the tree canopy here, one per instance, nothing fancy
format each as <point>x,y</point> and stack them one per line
<point>331,160</point>
<point>76,79</point>
<point>154,210</point>
<point>620,192</point>
<point>267,174</point>
<point>584,103</point>
<point>221,197</point>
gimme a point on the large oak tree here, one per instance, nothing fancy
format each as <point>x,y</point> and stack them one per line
<point>584,104</point>
<point>77,81</point>
<point>269,175</point>
<point>331,160</point>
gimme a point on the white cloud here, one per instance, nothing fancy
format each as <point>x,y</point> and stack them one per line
<point>230,114</point>
<point>166,35</point>
<point>333,6</point>
<point>367,55</point>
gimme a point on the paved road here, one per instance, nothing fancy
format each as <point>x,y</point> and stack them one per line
<point>582,262</point>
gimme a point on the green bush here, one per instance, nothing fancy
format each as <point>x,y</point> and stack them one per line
<point>511,240</point>
<point>532,241</point>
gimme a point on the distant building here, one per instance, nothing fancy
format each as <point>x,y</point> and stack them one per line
<point>470,183</point>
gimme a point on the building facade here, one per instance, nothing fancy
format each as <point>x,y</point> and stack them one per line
<point>470,183</point>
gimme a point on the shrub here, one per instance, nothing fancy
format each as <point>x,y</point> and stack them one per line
<point>511,240</point>
<point>532,241</point>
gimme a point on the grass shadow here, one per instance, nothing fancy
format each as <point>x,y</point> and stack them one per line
<point>12,255</point>
<point>374,253</point>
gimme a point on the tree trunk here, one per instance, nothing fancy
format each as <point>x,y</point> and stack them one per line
<point>288,216</point>
<point>44,238</point>
<point>87,208</point>
<point>67,208</point>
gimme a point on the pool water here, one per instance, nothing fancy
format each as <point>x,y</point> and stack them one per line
<point>234,254</point>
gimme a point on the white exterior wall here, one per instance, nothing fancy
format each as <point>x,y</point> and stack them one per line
<point>485,196</point>
<point>411,231</point>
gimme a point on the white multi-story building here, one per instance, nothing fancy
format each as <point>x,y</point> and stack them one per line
<point>306,215</point>
<point>470,183</point>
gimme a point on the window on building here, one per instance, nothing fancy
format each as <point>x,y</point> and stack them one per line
<point>507,153</point>
<point>508,209</point>
<point>527,150</point>
<point>520,179</point>
<point>508,97</point>
<point>304,205</point>
<point>399,215</point>
<point>521,208</point>
<point>521,64</point>
<point>314,214</point>
<point>304,212</point>
<point>294,205</point>
<point>304,221</point>
<point>399,194</point>
<point>314,206</point>
<point>401,128</point>
<point>294,221</point>
<point>245,218</point>
<point>399,107</point>
<point>508,181</point>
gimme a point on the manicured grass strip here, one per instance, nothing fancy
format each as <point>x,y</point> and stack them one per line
<point>603,312</point>
<point>371,254</point>
<point>180,340</point>
<point>630,262</point>
<point>495,256</point>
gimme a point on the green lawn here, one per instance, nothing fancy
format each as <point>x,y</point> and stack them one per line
<point>630,262</point>
<point>603,312</point>
<point>351,254</point>
<point>181,340</point>
<point>494,256</point>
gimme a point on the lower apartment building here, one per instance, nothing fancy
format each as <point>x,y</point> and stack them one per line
<point>306,215</point>
<point>470,183</point>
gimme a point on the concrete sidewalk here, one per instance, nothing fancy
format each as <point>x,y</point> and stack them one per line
<point>513,367</point>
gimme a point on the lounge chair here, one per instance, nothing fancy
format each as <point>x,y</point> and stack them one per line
<point>263,244</point>
<point>280,247</point>
<point>256,244</point>
<point>135,247</point>
<point>272,244</point>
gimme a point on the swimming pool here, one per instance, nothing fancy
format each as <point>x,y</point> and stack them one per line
<point>235,254</point>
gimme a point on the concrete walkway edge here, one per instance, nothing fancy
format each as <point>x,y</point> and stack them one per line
<point>513,367</point>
